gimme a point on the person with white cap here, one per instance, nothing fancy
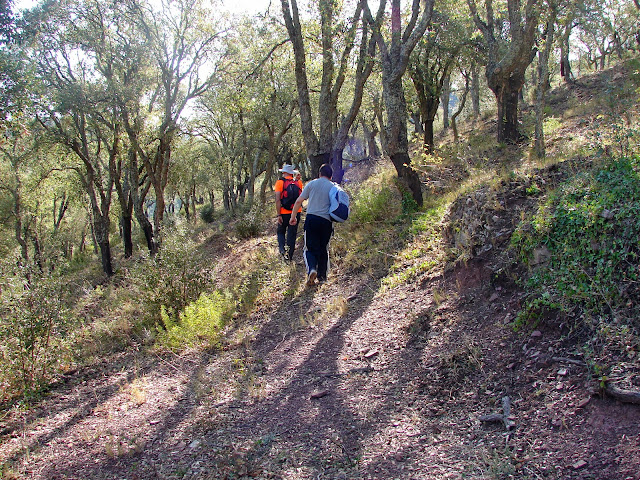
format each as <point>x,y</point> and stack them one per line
<point>287,189</point>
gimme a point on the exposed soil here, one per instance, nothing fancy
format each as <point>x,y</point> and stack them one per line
<point>343,381</point>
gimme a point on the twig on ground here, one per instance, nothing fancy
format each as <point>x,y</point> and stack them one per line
<point>504,417</point>
<point>167,362</point>
<point>569,360</point>
<point>622,395</point>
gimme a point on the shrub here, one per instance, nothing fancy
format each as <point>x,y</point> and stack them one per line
<point>207,213</point>
<point>590,227</point>
<point>175,277</point>
<point>201,322</point>
<point>375,203</point>
<point>33,320</point>
<point>250,224</point>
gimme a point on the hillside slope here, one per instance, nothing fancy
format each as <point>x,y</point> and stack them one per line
<point>374,375</point>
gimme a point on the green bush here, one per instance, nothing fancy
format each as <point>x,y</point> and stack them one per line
<point>33,322</point>
<point>375,203</point>
<point>175,277</point>
<point>207,213</point>
<point>591,229</point>
<point>201,322</point>
<point>250,224</point>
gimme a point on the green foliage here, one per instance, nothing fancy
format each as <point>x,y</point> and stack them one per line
<point>201,322</point>
<point>551,124</point>
<point>590,227</point>
<point>172,279</point>
<point>409,204</point>
<point>33,320</point>
<point>250,224</point>
<point>374,203</point>
<point>207,213</point>
<point>374,224</point>
<point>423,251</point>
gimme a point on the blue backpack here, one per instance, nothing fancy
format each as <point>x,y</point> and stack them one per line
<point>339,208</point>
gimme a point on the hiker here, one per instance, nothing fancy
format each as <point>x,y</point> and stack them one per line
<point>317,226</point>
<point>287,189</point>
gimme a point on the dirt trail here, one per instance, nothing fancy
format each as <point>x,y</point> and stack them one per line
<point>363,387</point>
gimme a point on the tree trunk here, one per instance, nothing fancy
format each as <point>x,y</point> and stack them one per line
<point>226,202</point>
<point>507,91</point>
<point>38,257</point>
<point>429,104</point>
<point>408,176</point>
<point>429,141</point>
<point>337,160</point>
<point>19,233</point>
<point>460,108</point>
<point>395,58</point>
<point>398,148</point>
<point>138,196</point>
<point>508,59</point>
<point>58,212</point>
<point>370,140</point>
<point>187,206</point>
<point>147,229</point>
<point>317,161</point>
<point>105,254</point>
<point>125,198</point>
<point>446,95</point>
<point>158,213</point>
<point>542,84</point>
<point>417,123</point>
<point>193,202</point>
<point>83,238</point>
<point>127,239</point>
<point>430,74</point>
<point>475,90</point>
<point>321,148</point>
<point>101,225</point>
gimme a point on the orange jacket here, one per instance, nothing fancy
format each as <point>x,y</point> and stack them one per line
<point>278,188</point>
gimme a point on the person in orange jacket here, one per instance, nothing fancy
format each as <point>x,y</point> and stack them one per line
<point>287,189</point>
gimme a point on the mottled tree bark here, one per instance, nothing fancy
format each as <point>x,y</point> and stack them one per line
<point>395,57</point>
<point>508,60</point>
<point>542,83</point>
<point>446,95</point>
<point>327,144</point>
<point>475,90</point>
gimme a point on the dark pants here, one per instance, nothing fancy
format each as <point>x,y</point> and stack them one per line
<point>317,233</point>
<point>288,232</point>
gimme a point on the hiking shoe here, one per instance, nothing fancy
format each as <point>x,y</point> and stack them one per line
<point>311,281</point>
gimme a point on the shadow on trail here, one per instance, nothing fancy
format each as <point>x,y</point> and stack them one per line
<point>314,420</point>
<point>309,413</point>
<point>83,401</point>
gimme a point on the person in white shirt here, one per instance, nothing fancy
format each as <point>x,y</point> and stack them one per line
<point>318,227</point>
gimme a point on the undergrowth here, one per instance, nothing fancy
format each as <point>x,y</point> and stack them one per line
<point>201,322</point>
<point>591,229</point>
<point>374,229</point>
<point>172,279</point>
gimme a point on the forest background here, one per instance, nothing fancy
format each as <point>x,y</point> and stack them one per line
<point>136,133</point>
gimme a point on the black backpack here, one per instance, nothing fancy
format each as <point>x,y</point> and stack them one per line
<point>290,193</point>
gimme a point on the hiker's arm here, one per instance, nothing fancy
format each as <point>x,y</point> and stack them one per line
<point>296,207</point>
<point>278,206</point>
